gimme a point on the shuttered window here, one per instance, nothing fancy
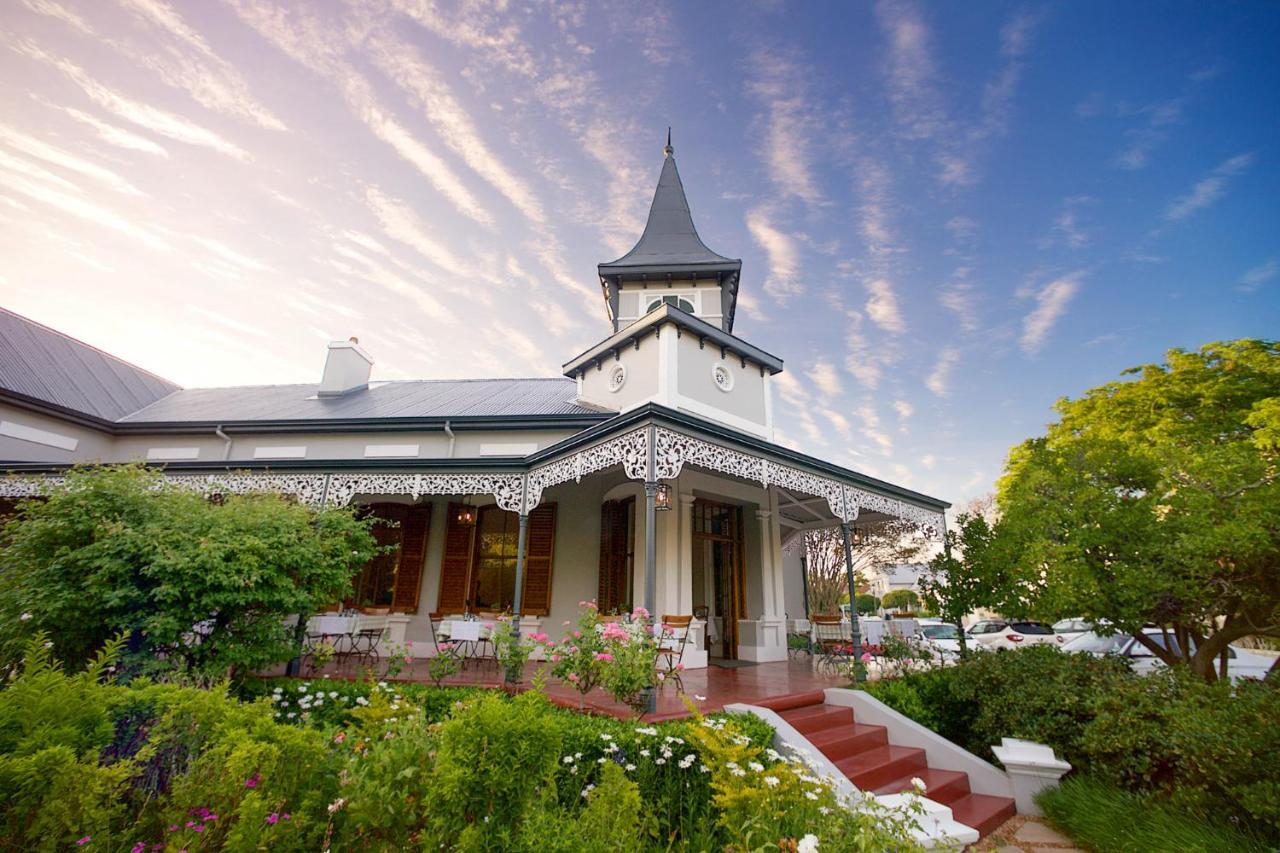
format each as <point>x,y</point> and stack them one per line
<point>394,579</point>
<point>478,568</point>
<point>617,555</point>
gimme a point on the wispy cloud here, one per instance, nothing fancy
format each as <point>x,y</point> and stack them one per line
<point>1208,189</point>
<point>1068,225</point>
<point>400,222</point>
<point>83,209</point>
<point>57,156</point>
<point>824,375</point>
<point>117,136</point>
<point>1259,275</point>
<point>780,84</point>
<point>882,306</point>
<point>307,41</point>
<point>145,115</point>
<point>1051,303</point>
<point>910,69</point>
<point>939,380</point>
<point>784,256</point>
<point>1142,140</point>
<point>871,429</point>
<point>904,409</point>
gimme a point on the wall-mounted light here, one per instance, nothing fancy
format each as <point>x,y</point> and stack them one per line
<point>855,536</point>
<point>662,497</point>
<point>466,513</point>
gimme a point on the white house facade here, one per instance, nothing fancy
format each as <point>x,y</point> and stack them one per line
<point>646,474</point>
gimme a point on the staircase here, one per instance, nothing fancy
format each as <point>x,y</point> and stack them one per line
<point>863,753</point>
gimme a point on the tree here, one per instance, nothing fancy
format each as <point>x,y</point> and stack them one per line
<point>868,604</point>
<point>828,578</point>
<point>904,600</point>
<point>966,575</point>
<point>1156,499</point>
<point>195,585</point>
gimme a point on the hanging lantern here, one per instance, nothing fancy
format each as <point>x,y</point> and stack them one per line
<point>466,514</point>
<point>662,497</point>
<point>855,536</point>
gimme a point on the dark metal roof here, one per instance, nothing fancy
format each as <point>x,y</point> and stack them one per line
<point>670,242</point>
<point>46,366</point>
<point>428,398</point>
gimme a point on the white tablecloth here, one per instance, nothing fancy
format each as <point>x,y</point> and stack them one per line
<point>331,625</point>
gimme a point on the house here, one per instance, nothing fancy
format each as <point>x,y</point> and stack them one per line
<point>886,579</point>
<point>647,473</point>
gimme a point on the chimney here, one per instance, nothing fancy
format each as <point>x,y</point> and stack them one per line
<point>346,369</point>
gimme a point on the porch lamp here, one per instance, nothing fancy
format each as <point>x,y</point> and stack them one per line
<point>466,514</point>
<point>662,498</point>
<point>855,536</point>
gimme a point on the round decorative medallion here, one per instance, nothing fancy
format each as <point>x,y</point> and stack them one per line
<point>617,377</point>
<point>722,376</point>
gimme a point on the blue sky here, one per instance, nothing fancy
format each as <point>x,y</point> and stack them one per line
<point>949,215</point>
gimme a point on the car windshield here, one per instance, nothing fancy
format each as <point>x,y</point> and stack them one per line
<point>941,632</point>
<point>1070,625</point>
<point>1031,628</point>
<point>1095,644</point>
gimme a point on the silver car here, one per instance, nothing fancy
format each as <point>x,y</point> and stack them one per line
<point>1241,663</point>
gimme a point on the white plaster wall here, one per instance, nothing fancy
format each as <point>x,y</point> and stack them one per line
<point>91,445</point>
<point>635,297</point>
<point>641,384</point>
<point>743,407</point>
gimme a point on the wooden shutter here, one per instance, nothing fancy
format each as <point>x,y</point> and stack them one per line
<point>539,551</point>
<point>415,524</point>
<point>455,564</point>
<point>613,554</point>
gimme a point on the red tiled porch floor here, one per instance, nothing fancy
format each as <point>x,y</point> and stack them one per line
<point>717,686</point>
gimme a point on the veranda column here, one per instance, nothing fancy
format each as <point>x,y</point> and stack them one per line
<point>855,630</point>
<point>695,654</point>
<point>651,539</point>
<point>520,543</point>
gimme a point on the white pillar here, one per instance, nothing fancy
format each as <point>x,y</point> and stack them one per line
<point>769,640</point>
<point>1031,767</point>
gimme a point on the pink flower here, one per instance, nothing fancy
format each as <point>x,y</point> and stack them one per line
<point>639,613</point>
<point>679,667</point>
<point>662,676</point>
<point>538,638</point>
<point>339,737</point>
<point>198,828</point>
<point>408,658</point>
<point>577,635</point>
<point>866,657</point>
<point>140,847</point>
<point>573,676</point>
<point>285,816</point>
<point>604,656</point>
<point>273,818</point>
<point>83,841</point>
<point>173,827</point>
<point>252,781</point>
<point>555,658</point>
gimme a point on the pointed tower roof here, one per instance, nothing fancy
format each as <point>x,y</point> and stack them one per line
<point>670,242</point>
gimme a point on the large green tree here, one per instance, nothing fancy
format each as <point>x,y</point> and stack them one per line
<point>1156,499</point>
<point>195,585</point>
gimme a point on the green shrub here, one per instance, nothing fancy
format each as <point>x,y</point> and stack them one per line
<point>1105,818</point>
<point>328,703</point>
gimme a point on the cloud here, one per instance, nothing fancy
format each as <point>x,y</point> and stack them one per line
<point>904,409</point>
<point>194,67</point>
<point>939,381</point>
<point>839,423</point>
<point>83,209</point>
<point>871,428</point>
<point>153,118</point>
<point>400,222</point>
<point>1259,275</point>
<point>824,375</point>
<point>1051,304</point>
<point>958,299</point>
<point>1209,189</point>
<point>780,84</point>
<point>1067,227</point>
<point>784,257</point>
<point>229,254</point>
<point>58,157</point>
<point>910,70</point>
<point>117,136</point>
<point>305,40</point>
<point>929,461</point>
<point>882,307</point>
<point>404,65</point>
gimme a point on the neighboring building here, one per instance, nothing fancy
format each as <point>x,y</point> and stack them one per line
<point>886,579</point>
<point>670,397</point>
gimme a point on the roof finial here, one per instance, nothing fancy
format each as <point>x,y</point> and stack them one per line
<point>668,151</point>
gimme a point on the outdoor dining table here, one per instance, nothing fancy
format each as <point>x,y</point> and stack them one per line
<point>470,634</point>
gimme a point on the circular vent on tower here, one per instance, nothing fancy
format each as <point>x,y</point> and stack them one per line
<point>722,376</point>
<point>617,377</point>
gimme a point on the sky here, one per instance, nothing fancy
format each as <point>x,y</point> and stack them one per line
<point>950,215</point>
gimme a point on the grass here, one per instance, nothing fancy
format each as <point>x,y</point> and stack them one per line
<point>1109,820</point>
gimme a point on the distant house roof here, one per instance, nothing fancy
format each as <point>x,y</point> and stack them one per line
<point>670,242</point>
<point>408,399</point>
<point>45,366</point>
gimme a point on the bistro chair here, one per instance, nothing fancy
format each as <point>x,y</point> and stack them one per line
<point>366,639</point>
<point>831,640</point>
<point>671,646</point>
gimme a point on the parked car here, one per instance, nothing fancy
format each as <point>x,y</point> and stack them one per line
<point>1010,634</point>
<point>1069,629</point>
<point>940,638</point>
<point>1241,663</point>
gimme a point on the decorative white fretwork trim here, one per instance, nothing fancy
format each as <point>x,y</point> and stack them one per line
<point>507,489</point>
<point>629,450</point>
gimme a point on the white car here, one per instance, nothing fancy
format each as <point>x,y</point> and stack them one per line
<point>1011,634</point>
<point>940,638</point>
<point>1241,663</point>
<point>1069,629</point>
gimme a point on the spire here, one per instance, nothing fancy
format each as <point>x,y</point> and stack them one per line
<point>668,151</point>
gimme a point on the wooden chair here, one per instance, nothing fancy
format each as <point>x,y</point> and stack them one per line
<point>671,646</point>
<point>832,642</point>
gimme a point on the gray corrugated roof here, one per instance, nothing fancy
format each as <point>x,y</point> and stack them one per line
<point>670,238</point>
<point>44,364</point>
<point>428,398</point>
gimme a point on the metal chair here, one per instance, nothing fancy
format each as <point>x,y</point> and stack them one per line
<point>366,639</point>
<point>671,646</point>
<point>832,641</point>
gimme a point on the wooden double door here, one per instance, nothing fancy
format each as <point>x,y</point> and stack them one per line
<point>719,574</point>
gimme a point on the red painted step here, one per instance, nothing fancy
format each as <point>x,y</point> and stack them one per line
<point>983,812</point>
<point>794,700</point>
<point>865,755</point>
<point>941,786</point>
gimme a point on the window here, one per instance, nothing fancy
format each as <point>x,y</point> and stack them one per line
<point>677,301</point>
<point>393,578</point>
<point>1031,628</point>
<point>494,575</point>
